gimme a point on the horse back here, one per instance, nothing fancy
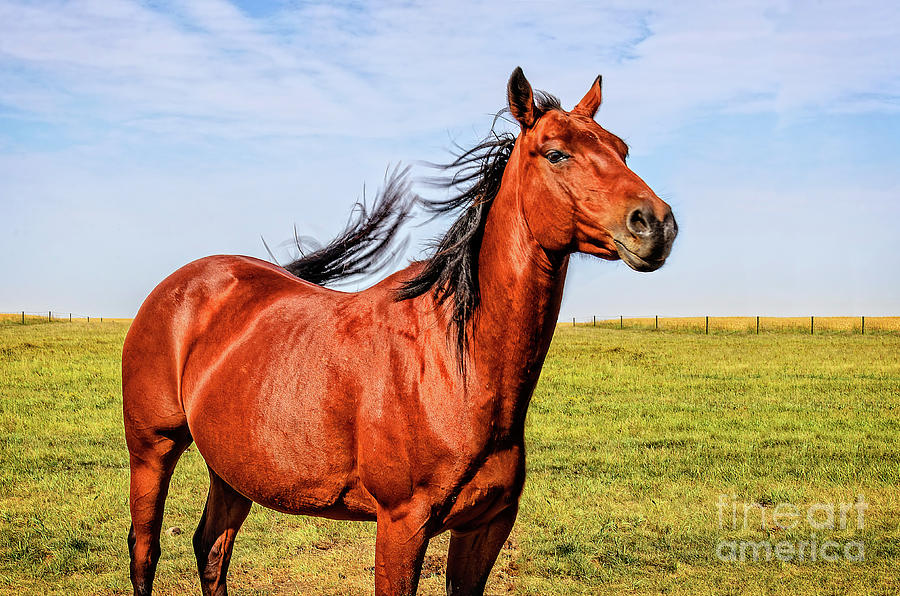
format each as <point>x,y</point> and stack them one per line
<point>174,319</point>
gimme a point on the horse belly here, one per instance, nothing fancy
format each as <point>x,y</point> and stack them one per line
<point>292,453</point>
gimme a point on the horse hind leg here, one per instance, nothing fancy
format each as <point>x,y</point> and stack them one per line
<point>225,511</point>
<point>153,458</point>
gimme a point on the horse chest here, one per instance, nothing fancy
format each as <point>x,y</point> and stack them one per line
<point>496,485</point>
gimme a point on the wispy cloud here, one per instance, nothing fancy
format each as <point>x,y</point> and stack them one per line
<point>190,126</point>
<point>204,67</point>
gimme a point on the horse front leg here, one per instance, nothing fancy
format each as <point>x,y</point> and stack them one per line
<point>472,554</point>
<point>400,543</point>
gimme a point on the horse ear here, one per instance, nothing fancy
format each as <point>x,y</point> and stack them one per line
<point>591,100</point>
<point>521,99</point>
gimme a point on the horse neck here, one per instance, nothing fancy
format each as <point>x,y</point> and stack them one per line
<point>521,288</point>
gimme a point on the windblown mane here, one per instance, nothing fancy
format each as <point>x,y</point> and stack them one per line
<point>451,273</point>
<point>368,244</point>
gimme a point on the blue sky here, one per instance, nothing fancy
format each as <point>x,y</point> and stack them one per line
<point>135,137</point>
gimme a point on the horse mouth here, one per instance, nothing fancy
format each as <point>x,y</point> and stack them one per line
<point>636,262</point>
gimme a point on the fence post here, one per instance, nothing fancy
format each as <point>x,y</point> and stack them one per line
<point>89,319</point>
<point>50,317</point>
<point>573,321</point>
<point>23,317</point>
<point>811,324</point>
<point>595,320</point>
<point>621,322</point>
<point>657,322</point>
<point>70,317</point>
<point>707,324</point>
<point>101,319</point>
<point>864,325</point>
<point>757,324</point>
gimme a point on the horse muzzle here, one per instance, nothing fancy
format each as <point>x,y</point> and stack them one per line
<point>648,240</point>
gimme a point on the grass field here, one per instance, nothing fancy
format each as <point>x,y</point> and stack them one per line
<point>632,438</point>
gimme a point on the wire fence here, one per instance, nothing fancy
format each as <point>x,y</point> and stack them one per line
<point>702,324</point>
<point>26,317</point>
<point>749,325</point>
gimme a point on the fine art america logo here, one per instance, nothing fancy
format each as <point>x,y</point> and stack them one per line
<point>817,517</point>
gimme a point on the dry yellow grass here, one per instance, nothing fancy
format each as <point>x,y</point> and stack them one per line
<point>748,324</point>
<point>32,318</point>
<point>696,324</point>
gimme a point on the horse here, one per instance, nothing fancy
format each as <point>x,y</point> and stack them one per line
<point>404,403</point>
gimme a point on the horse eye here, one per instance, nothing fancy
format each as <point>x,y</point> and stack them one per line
<point>555,156</point>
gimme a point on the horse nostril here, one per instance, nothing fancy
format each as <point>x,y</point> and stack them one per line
<point>670,227</point>
<point>637,223</point>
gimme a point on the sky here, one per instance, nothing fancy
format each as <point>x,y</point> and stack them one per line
<point>138,136</point>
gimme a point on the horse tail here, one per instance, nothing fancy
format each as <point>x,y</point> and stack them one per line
<point>369,243</point>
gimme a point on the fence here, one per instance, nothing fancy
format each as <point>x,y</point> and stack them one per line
<point>704,325</point>
<point>750,325</point>
<point>24,317</point>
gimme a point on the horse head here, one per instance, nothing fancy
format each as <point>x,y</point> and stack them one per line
<point>577,193</point>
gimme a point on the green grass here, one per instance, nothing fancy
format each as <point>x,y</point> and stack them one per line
<point>632,436</point>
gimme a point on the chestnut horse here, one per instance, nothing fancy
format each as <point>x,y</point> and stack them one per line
<point>403,404</point>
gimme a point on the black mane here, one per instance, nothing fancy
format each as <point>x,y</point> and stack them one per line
<point>450,274</point>
<point>369,241</point>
